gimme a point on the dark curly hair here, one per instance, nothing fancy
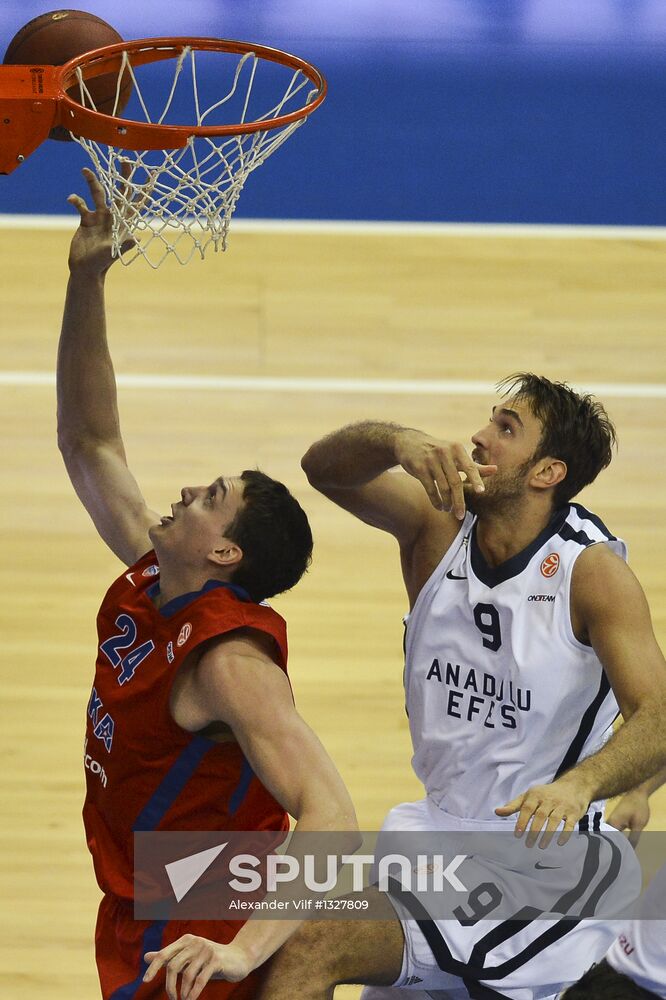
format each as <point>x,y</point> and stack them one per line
<point>575,429</point>
<point>273,532</point>
<point>602,982</point>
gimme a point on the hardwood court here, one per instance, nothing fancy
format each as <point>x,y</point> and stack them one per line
<point>304,305</point>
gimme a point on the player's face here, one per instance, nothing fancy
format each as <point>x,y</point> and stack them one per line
<point>509,441</point>
<point>199,521</point>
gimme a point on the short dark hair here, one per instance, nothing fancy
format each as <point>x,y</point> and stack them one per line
<point>273,532</point>
<point>602,982</point>
<point>575,429</point>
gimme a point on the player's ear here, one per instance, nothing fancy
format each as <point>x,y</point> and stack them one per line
<point>547,473</point>
<point>228,555</point>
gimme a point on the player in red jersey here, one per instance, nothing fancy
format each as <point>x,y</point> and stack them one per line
<point>191,723</point>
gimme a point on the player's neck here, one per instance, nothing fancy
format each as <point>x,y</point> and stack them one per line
<point>502,536</point>
<point>179,580</point>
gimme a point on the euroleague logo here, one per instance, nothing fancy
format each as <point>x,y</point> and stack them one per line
<point>185,633</point>
<point>550,565</point>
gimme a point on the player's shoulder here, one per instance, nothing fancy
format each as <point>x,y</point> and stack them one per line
<point>238,658</point>
<point>595,548</point>
<point>243,642</point>
<point>574,534</point>
<point>584,527</point>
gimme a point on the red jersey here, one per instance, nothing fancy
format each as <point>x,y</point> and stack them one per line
<point>143,772</point>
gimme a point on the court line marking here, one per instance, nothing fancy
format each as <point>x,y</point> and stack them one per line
<point>329,227</point>
<point>346,386</point>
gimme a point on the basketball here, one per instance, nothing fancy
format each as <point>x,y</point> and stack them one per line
<point>56,37</point>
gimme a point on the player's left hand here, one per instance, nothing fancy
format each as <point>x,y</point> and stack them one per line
<point>632,813</point>
<point>548,806</point>
<point>91,247</point>
<point>198,960</point>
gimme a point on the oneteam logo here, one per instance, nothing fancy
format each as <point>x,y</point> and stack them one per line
<point>542,597</point>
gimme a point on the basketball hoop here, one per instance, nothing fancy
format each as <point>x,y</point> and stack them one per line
<point>173,167</point>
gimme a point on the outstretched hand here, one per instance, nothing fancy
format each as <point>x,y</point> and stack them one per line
<point>198,960</point>
<point>564,801</point>
<point>92,245</point>
<point>438,466</point>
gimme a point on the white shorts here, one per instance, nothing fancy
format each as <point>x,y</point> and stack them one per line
<point>533,958</point>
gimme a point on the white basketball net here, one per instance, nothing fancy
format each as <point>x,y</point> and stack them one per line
<point>178,202</point>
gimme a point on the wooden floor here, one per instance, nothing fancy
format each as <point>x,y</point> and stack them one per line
<point>305,305</point>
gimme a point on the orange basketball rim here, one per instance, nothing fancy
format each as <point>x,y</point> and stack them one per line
<point>34,99</point>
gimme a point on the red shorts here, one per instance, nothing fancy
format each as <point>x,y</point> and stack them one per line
<point>121,942</point>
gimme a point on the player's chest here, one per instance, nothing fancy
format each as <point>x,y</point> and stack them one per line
<point>137,649</point>
<point>513,611</point>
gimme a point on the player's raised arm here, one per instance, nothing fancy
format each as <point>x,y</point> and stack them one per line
<point>88,425</point>
<point>351,466</point>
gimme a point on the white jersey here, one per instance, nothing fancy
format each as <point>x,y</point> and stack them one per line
<point>500,693</point>
<point>640,950</point>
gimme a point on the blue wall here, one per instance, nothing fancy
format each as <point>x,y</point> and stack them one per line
<point>547,111</point>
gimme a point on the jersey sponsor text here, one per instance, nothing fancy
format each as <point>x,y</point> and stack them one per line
<point>478,696</point>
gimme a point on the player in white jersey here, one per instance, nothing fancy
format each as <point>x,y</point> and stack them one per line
<point>500,692</point>
<point>526,632</point>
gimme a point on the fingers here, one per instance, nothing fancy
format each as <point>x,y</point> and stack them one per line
<point>436,494</point>
<point>90,216</point>
<point>552,821</point>
<point>568,829</point>
<point>444,471</point>
<point>633,825</point>
<point>96,189</point>
<point>454,484</point>
<point>635,836</point>
<point>200,981</point>
<point>631,814</point>
<point>530,811</point>
<point>525,810</point>
<point>190,956</point>
<point>511,807</point>
<point>79,204</point>
<point>175,966</point>
<point>158,959</point>
<point>541,819</point>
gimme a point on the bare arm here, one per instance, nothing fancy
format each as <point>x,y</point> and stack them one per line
<point>614,614</point>
<point>238,684</point>
<point>88,424</point>
<point>610,611</point>
<point>351,467</point>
